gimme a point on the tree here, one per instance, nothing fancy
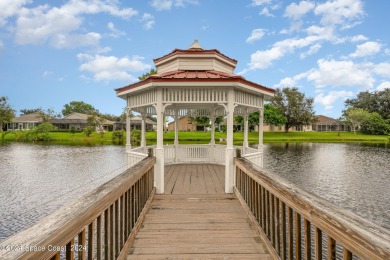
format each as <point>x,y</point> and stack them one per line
<point>45,115</point>
<point>239,120</point>
<point>200,121</point>
<point>294,106</point>
<point>377,101</point>
<point>79,107</point>
<point>356,117</point>
<point>96,122</point>
<point>272,116</point>
<point>375,125</point>
<point>6,112</point>
<point>147,74</point>
<point>28,111</point>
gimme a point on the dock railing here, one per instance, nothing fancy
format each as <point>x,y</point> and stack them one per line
<point>295,224</point>
<point>99,225</point>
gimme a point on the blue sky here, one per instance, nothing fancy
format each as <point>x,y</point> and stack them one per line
<point>55,52</point>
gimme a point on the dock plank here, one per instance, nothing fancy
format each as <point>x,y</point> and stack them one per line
<point>197,226</point>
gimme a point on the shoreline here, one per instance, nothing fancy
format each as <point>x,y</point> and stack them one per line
<point>65,138</point>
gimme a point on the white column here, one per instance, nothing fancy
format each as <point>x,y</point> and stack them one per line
<point>261,117</point>
<point>143,130</point>
<point>176,143</point>
<point>128,130</point>
<point>212,119</point>
<point>159,167</point>
<point>212,141</point>
<point>246,125</point>
<point>229,164</point>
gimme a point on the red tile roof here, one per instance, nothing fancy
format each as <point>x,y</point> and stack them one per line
<point>194,51</point>
<point>195,76</point>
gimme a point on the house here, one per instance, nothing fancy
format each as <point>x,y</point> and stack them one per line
<point>24,122</point>
<point>325,124</point>
<point>135,123</point>
<point>79,121</point>
<point>282,128</point>
<point>185,124</point>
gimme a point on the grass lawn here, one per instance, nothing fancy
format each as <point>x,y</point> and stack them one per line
<point>204,137</point>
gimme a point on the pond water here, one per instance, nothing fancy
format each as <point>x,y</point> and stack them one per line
<point>35,180</point>
<point>353,176</point>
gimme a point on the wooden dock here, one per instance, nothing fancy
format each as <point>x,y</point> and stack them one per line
<point>196,220</point>
<point>266,218</point>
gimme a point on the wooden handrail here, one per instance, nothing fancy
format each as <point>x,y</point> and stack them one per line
<point>100,222</point>
<point>278,205</point>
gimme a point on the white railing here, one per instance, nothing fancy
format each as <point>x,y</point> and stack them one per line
<point>249,150</point>
<point>134,157</point>
<point>219,154</point>
<point>255,158</point>
<point>169,154</point>
<point>195,153</point>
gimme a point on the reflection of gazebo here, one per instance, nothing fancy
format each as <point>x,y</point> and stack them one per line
<point>194,82</point>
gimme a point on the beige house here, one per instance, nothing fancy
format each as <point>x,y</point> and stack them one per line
<point>24,122</point>
<point>282,128</point>
<point>328,124</point>
<point>79,121</point>
<point>185,124</point>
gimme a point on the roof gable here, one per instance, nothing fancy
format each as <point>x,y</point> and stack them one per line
<point>33,117</point>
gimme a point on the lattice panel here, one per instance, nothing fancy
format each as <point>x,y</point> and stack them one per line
<point>142,99</point>
<point>244,98</point>
<point>194,95</point>
<point>194,112</point>
<point>241,110</point>
<point>149,110</point>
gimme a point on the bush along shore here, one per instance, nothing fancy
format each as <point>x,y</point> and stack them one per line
<point>119,137</point>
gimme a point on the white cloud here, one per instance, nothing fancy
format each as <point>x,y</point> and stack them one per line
<point>256,35</point>
<point>148,21</point>
<point>382,69</point>
<point>264,59</point>
<point>266,12</point>
<point>60,26</point>
<point>384,85</point>
<point>107,68</point>
<point>75,40</point>
<point>9,8</point>
<point>366,49</point>
<point>359,38</point>
<point>46,73</point>
<point>334,73</point>
<point>313,50</point>
<point>1,46</point>
<point>115,33</point>
<point>261,2</point>
<point>340,12</point>
<point>328,100</point>
<point>286,83</point>
<point>296,11</point>
<point>163,5</point>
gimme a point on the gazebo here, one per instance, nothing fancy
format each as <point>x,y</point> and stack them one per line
<point>194,82</point>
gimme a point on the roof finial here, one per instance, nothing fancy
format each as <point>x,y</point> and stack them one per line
<point>195,45</point>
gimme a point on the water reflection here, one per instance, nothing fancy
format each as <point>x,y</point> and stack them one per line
<point>354,176</point>
<point>38,179</point>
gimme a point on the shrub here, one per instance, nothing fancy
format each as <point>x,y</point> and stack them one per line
<point>88,130</point>
<point>118,135</point>
<point>136,135</point>
<point>375,125</point>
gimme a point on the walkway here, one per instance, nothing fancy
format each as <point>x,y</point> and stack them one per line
<point>188,225</point>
